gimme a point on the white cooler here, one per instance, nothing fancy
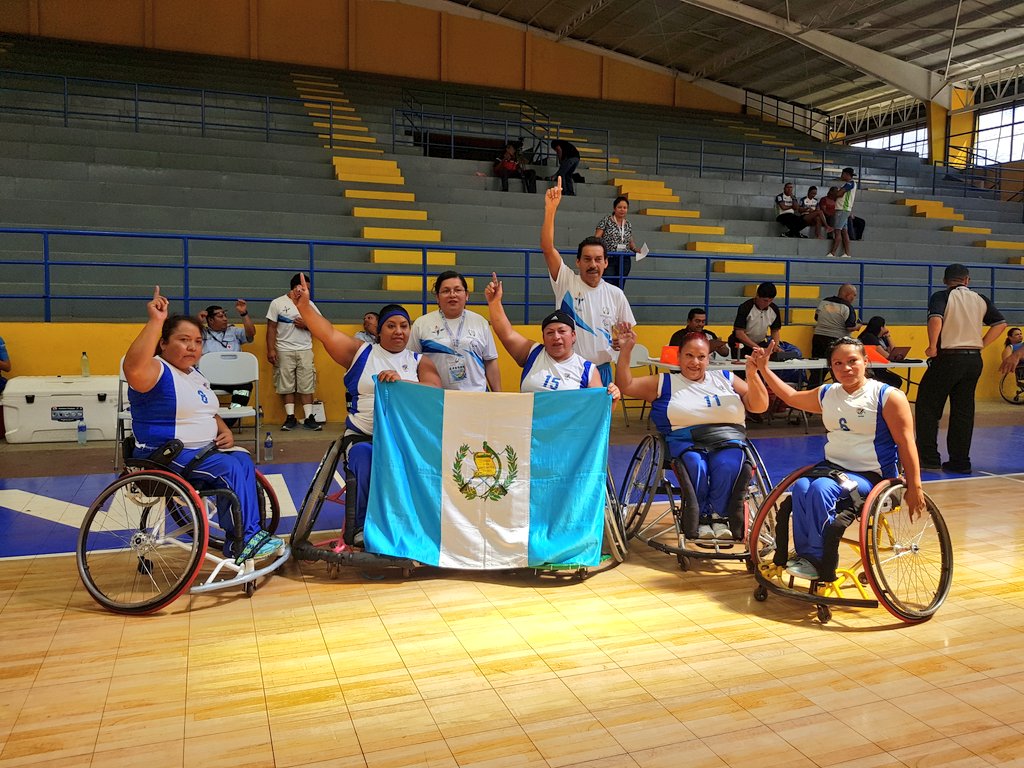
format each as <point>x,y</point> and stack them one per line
<point>47,409</point>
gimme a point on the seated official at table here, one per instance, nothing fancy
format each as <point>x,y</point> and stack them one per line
<point>877,334</point>
<point>689,408</point>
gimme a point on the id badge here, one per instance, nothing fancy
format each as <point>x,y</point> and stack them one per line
<point>457,371</point>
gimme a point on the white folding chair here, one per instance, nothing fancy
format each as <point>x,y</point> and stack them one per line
<point>123,428</point>
<point>638,358</point>
<point>233,369</point>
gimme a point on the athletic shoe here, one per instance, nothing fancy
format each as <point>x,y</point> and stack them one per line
<point>357,540</point>
<point>289,424</point>
<point>935,466</point>
<point>269,547</point>
<point>844,255</point>
<point>956,469</point>
<point>802,568</point>
<point>721,530</point>
<point>312,423</point>
<point>705,532</point>
<point>830,255</point>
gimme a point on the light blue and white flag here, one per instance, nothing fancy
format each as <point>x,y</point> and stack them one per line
<point>488,480</point>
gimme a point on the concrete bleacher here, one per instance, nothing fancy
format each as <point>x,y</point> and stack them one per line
<point>169,178</point>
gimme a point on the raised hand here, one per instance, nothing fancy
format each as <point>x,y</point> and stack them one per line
<point>554,195</point>
<point>493,292</point>
<point>760,356</point>
<point>300,294</point>
<point>625,337</point>
<point>241,307</point>
<point>157,307</point>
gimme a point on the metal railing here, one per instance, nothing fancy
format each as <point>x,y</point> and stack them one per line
<point>180,271</point>
<point>805,119</point>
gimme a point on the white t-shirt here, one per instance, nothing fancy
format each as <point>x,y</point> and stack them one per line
<point>788,200</point>
<point>458,348</point>
<point>542,373</point>
<point>810,203</point>
<point>283,311</point>
<point>370,360</point>
<point>684,403</point>
<point>594,310</point>
<point>858,437</point>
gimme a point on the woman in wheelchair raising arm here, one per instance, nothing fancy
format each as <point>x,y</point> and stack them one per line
<point>552,365</point>
<point>701,414</point>
<point>366,364</point>
<point>870,431</point>
<point>171,400</point>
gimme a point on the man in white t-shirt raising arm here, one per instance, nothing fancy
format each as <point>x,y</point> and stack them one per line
<point>290,351</point>
<point>594,305</point>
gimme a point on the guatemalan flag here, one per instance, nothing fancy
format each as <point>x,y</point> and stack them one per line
<point>488,480</point>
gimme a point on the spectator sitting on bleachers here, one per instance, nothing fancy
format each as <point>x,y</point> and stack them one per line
<point>510,166</point>
<point>788,212</point>
<point>696,320</point>
<point>827,206</point>
<point>812,215</point>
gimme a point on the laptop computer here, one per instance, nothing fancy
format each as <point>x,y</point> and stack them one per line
<point>898,353</point>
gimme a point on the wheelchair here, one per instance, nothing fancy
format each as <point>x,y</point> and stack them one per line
<point>147,536</point>
<point>337,551</point>
<point>1011,386</point>
<point>905,565</point>
<point>671,525</point>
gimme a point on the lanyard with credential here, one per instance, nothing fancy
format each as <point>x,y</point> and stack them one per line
<point>458,334</point>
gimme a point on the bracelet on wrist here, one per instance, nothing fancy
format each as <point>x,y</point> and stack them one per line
<point>243,314</point>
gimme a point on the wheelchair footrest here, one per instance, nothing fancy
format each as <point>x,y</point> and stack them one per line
<point>245,575</point>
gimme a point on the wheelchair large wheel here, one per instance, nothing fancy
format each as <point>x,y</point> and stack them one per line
<point>909,564</point>
<point>315,494</point>
<point>763,530</point>
<point>142,542</point>
<point>637,490</point>
<point>1011,387</point>
<point>269,510</point>
<point>615,539</point>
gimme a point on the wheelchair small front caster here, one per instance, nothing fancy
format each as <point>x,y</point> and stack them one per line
<point>684,563</point>
<point>249,588</point>
<point>761,593</point>
<point>332,570</point>
<point>824,614</point>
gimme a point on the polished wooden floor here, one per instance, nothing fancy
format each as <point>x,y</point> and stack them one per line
<point>642,665</point>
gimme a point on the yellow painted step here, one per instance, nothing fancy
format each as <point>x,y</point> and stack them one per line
<point>801,152</point>
<point>768,143</point>
<point>394,233</point>
<point>313,76</point>
<point>336,117</point>
<point>648,197</point>
<point>939,214</point>
<point>669,212</point>
<point>1006,245</point>
<point>693,229</point>
<point>367,165</point>
<point>321,105</point>
<point>389,213</point>
<point>624,170</point>
<point>968,230</point>
<point>348,137</point>
<point>360,128</point>
<point>794,291</point>
<point>736,267</point>
<point>913,201</point>
<point>801,316</point>
<point>589,150</point>
<point>365,178</point>
<point>1015,260</point>
<point>413,282</point>
<point>342,148</point>
<point>702,247</point>
<point>379,194</point>
<point>390,256</point>
<point>313,80</point>
<point>638,183</point>
<point>323,96</point>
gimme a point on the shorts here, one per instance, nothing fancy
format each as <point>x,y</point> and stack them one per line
<point>294,372</point>
<point>842,218</point>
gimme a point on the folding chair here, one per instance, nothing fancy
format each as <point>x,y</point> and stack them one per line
<point>232,369</point>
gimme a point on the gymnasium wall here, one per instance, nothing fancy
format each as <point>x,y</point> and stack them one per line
<point>106,343</point>
<point>381,37</point>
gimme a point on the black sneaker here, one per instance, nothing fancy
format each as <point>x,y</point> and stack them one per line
<point>289,424</point>
<point>956,469</point>
<point>933,465</point>
<point>312,423</point>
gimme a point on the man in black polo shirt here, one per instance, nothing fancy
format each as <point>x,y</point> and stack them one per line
<point>955,319</point>
<point>695,322</point>
<point>758,321</point>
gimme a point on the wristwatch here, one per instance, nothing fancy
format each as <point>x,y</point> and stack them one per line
<point>243,314</point>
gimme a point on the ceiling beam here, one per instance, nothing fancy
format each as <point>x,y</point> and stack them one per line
<point>910,78</point>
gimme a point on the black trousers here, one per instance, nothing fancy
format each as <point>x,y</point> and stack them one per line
<point>819,351</point>
<point>952,377</point>
<point>793,222</point>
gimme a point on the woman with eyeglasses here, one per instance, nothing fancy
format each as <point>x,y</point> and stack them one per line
<point>456,340</point>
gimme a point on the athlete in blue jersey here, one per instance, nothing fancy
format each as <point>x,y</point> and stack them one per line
<point>551,366</point>
<point>367,364</point>
<point>695,398</point>
<point>870,431</point>
<point>170,400</point>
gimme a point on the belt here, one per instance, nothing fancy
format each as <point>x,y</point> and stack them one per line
<point>959,351</point>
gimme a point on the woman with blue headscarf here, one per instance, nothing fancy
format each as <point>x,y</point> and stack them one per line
<point>387,360</point>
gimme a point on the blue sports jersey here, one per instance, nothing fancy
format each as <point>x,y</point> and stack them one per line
<point>181,405</point>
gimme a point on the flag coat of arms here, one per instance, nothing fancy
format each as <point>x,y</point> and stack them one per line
<point>488,480</point>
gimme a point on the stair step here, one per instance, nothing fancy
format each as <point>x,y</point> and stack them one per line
<point>968,230</point>
<point>793,291</point>
<point>320,105</point>
<point>321,95</point>
<point>348,137</point>
<point>360,128</point>
<point>367,165</point>
<point>801,316</point>
<point>702,247</point>
<point>390,256</point>
<point>648,197</point>
<point>639,184</point>
<point>693,229</point>
<point>363,178</point>
<point>379,194</point>
<point>366,150</point>
<point>669,212</point>
<point>328,115</point>
<point>737,267</point>
<point>1000,244</point>
<point>396,233</point>
<point>389,213</point>
<point>413,282</point>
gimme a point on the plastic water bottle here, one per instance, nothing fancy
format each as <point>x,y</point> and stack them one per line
<point>268,449</point>
<point>85,366</point>
<point>83,435</point>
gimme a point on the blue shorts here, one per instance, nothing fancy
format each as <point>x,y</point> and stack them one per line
<point>842,219</point>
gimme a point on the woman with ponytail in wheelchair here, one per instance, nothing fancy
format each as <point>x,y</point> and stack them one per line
<point>174,415</point>
<point>701,414</point>
<point>870,433</point>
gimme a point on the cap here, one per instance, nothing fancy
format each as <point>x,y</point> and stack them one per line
<point>849,170</point>
<point>558,316</point>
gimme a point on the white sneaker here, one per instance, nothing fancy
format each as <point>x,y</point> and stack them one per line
<point>705,532</point>
<point>830,255</point>
<point>721,530</point>
<point>844,255</point>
